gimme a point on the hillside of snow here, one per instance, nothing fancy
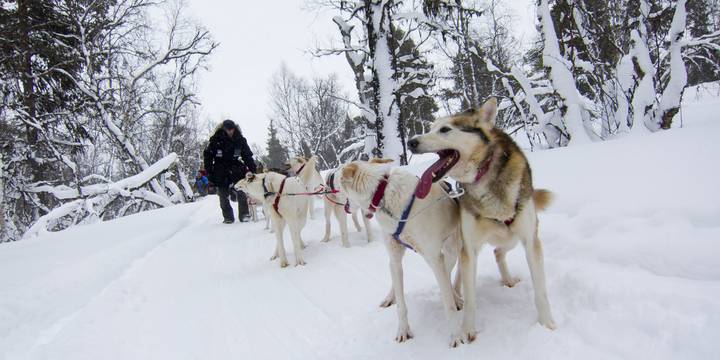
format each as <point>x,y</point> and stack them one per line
<point>632,246</point>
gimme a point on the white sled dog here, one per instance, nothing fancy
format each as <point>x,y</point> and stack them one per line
<point>427,225</point>
<point>315,183</point>
<point>336,204</point>
<point>284,208</point>
<point>499,206</point>
<point>339,204</point>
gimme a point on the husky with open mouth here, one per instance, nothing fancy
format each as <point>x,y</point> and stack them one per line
<point>499,206</point>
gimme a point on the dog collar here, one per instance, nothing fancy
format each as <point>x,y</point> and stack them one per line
<point>377,196</point>
<point>300,169</point>
<point>266,193</point>
<point>484,167</point>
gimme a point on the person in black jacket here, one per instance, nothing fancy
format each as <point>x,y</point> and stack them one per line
<point>227,160</point>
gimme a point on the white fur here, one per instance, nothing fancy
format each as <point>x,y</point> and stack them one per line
<point>292,210</point>
<point>341,216</point>
<point>433,233</point>
<point>313,183</point>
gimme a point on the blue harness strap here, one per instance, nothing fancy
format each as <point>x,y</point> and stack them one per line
<point>402,222</point>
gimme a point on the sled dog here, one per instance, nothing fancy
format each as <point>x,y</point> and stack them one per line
<point>428,226</point>
<point>275,190</point>
<point>499,205</point>
<point>339,204</point>
<point>315,183</point>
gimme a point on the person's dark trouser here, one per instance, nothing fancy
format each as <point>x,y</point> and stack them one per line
<point>223,192</point>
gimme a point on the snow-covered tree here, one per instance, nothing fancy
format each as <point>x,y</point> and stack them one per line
<point>383,43</point>
<point>109,105</point>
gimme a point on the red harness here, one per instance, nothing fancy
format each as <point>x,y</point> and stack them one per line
<point>276,203</point>
<point>377,197</point>
<point>331,183</point>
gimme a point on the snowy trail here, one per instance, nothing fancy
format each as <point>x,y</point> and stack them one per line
<point>631,257</point>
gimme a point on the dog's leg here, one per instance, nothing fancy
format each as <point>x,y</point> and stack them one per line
<point>442,276</point>
<point>297,244</point>
<point>534,256</point>
<point>396,252</point>
<point>311,207</point>
<point>468,263</point>
<point>329,207</point>
<point>505,277</point>
<point>368,230</point>
<point>268,218</point>
<point>342,220</point>
<point>389,299</point>
<point>279,225</point>
<point>451,249</point>
<point>468,267</point>
<point>355,221</point>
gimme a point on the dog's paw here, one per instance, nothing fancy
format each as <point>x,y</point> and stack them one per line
<point>327,239</point>
<point>284,263</point>
<point>512,281</point>
<point>300,263</point>
<point>273,257</point>
<point>345,244</point>
<point>303,245</point>
<point>388,302</point>
<point>464,337</point>
<point>403,334</point>
<point>548,323</point>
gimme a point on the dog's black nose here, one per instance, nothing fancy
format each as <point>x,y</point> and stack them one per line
<point>413,144</point>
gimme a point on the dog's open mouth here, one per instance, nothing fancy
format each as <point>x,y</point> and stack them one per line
<point>436,171</point>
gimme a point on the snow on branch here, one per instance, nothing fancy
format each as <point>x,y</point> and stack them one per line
<point>123,187</point>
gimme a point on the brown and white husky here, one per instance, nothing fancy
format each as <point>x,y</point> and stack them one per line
<point>499,206</point>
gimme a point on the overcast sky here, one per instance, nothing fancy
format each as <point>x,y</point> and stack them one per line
<point>256,37</point>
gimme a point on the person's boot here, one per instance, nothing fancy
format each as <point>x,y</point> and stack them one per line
<point>228,221</point>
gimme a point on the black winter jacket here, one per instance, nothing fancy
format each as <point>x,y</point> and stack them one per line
<point>227,159</point>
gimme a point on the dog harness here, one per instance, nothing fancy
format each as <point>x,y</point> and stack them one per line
<point>266,193</point>
<point>331,183</point>
<point>276,203</point>
<point>300,169</point>
<point>375,203</point>
<point>401,223</point>
<point>377,196</point>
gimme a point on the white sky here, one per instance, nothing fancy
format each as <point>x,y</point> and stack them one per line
<point>257,36</point>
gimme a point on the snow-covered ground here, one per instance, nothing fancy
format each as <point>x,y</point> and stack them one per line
<point>632,247</point>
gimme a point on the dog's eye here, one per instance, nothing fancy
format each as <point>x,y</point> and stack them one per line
<point>444,129</point>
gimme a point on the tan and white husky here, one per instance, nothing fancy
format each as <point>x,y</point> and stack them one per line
<point>430,228</point>
<point>499,206</point>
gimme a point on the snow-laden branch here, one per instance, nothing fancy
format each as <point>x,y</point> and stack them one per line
<point>123,187</point>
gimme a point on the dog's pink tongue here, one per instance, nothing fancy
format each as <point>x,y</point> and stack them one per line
<point>426,180</point>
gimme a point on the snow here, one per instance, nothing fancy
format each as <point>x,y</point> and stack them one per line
<point>631,247</point>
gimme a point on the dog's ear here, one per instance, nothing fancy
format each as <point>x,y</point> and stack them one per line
<point>349,171</point>
<point>485,115</point>
<point>380,161</point>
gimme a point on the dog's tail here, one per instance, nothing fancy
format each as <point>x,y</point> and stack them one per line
<point>542,199</point>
